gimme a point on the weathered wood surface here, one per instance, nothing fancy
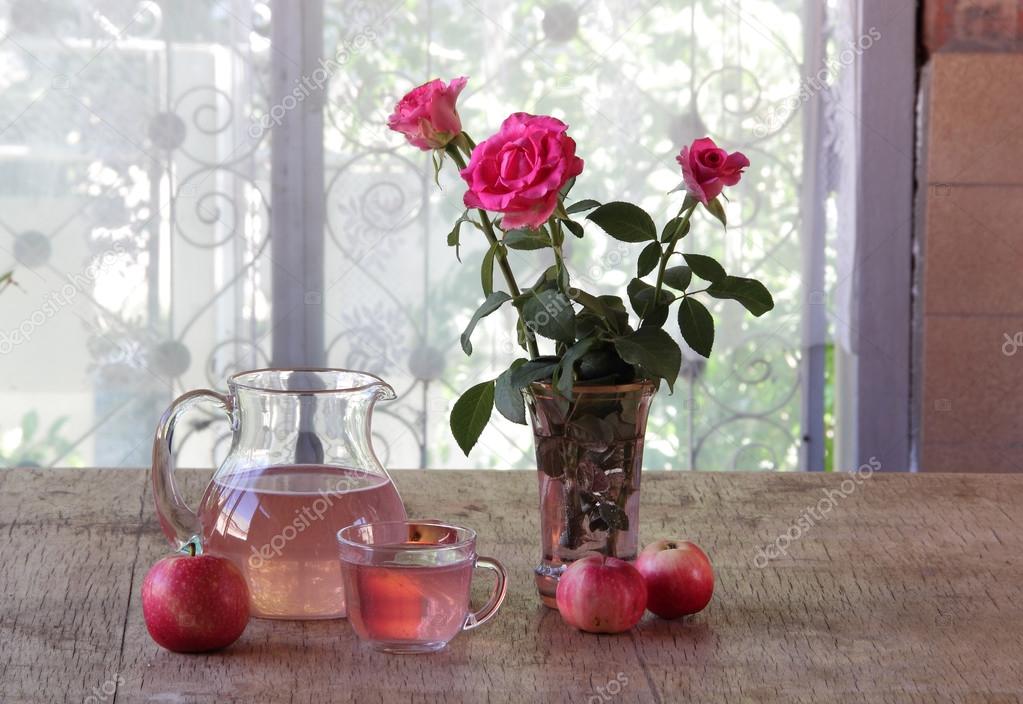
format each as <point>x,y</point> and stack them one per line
<point>908,589</point>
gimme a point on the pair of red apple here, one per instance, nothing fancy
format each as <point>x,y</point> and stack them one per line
<point>603,594</point>
<point>194,603</point>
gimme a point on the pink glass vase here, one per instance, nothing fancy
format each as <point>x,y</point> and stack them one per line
<point>589,455</point>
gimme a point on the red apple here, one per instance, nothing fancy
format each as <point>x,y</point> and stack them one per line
<point>195,603</point>
<point>679,578</point>
<point>601,595</point>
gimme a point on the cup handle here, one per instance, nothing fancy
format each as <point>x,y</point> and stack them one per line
<point>480,617</point>
<point>178,521</point>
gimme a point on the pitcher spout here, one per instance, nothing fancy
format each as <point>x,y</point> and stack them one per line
<point>382,391</point>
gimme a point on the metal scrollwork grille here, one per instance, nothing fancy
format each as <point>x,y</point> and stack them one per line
<point>634,81</point>
<point>135,158</point>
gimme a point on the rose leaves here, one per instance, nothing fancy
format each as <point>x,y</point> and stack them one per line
<point>595,341</point>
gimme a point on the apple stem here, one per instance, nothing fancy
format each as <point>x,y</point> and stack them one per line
<point>192,548</point>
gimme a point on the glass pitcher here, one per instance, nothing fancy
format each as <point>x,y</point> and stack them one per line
<point>301,467</point>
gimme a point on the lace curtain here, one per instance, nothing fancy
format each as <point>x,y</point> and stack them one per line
<point>134,178</point>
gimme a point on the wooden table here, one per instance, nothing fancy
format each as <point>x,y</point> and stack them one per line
<point>907,589</point>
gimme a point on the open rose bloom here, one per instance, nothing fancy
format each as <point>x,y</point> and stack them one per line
<point>427,115</point>
<point>521,173</point>
<point>707,169</point>
<point>520,170</point>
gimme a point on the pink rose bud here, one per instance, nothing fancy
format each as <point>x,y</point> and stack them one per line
<point>427,115</point>
<point>520,170</point>
<point>707,169</point>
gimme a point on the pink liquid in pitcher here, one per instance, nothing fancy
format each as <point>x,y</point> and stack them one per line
<point>394,605</point>
<point>279,526</point>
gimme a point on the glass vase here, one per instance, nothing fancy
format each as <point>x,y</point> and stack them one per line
<point>589,454</point>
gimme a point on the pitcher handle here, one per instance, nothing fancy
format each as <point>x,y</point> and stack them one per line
<point>179,522</point>
<point>478,618</point>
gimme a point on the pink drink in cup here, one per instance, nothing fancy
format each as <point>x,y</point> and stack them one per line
<point>407,583</point>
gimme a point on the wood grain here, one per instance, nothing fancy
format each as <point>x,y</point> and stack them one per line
<point>896,588</point>
<point>70,543</point>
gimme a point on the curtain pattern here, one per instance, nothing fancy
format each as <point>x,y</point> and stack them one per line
<point>134,167</point>
<point>634,81</point>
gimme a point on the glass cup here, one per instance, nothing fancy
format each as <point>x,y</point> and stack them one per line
<point>407,583</point>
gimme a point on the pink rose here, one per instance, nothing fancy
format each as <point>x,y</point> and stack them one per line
<point>427,115</point>
<point>707,169</point>
<point>520,170</point>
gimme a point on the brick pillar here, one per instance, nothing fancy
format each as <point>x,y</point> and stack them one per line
<point>972,23</point>
<point>971,238</point>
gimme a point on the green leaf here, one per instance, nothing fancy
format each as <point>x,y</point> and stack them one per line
<point>53,434</point>
<point>752,294</point>
<point>524,239</point>
<point>587,324</point>
<point>624,221</point>
<point>438,163</point>
<point>613,303</point>
<point>641,296</point>
<point>533,370</point>
<point>619,317</point>
<point>487,270</point>
<point>697,325</point>
<point>550,313</point>
<point>656,317</point>
<point>471,414</point>
<point>494,301</point>
<point>589,301</point>
<point>546,279</point>
<point>29,425</point>
<point>590,428</point>
<point>705,267</point>
<point>574,227</point>
<point>654,351</point>
<point>581,206</point>
<point>603,365</point>
<point>678,277</point>
<point>715,208</point>
<point>566,379</point>
<point>649,258</point>
<point>674,224</point>
<point>455,232</point>
<point>613,516</point>
<point>566,189</point>
<point>608,310</point>
<point>507,398</point>
<point>520,334</point>
<point>551,455</point>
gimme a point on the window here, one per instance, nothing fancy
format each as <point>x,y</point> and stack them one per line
<point>153,251</point>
